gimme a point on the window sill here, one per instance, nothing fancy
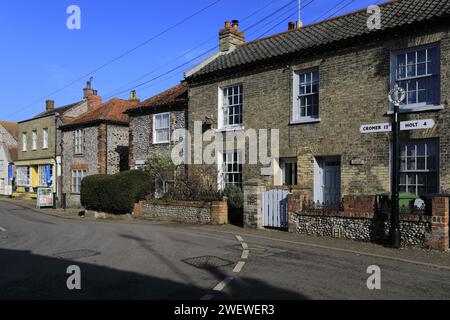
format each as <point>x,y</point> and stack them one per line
<point>159,143</point>
<point>305,121</point>
<point>412,109</point>
<point>229,129</point>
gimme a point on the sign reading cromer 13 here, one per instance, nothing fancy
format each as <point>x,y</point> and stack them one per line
<point>379,127</point>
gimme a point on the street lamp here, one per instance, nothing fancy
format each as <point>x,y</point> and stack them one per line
<point>396,96</point>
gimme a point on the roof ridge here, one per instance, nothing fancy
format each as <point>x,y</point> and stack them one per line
<point>353,13</point>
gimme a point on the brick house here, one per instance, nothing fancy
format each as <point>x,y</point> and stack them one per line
<point>95,143</point>
<point>8,154</point>
<point>152,124</point>
<point>319,84</point>
<point>39,144</point>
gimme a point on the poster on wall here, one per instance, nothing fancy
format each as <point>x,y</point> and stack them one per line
<point>45,198</point>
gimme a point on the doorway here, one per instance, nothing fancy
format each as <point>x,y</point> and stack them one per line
<point>327,180</point>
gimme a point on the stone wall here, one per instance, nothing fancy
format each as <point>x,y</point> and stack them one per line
<point>362,220</point>
<point>141,136</point>
<point>117,149</point>
<point>183,211</point>
<point>87,161</point>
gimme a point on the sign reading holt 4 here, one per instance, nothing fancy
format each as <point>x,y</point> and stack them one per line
<point>404,126</point>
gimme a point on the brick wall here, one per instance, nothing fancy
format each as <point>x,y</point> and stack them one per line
<point>183,211</point>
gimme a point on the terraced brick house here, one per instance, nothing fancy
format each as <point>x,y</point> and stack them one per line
<point>152,125</point>
<point>39,144</point>
<point>8,154</point>
<point>95,143</point>
<point>318,84</point>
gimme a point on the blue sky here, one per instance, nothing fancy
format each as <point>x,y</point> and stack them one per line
<point>41,55</point>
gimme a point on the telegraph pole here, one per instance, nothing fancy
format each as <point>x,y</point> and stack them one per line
<point>396,96</point>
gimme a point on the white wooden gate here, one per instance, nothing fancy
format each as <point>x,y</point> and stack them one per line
<point>274,209</point>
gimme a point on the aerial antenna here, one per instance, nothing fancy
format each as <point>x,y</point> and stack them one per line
<point>299,21</point>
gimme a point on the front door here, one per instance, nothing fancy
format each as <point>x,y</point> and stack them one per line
<point>327,180</point>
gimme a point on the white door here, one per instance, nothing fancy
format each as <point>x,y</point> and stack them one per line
<point>327,180</point>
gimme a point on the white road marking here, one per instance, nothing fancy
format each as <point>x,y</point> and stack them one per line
<point>2,229</point>
<point>207,297</point>
<point>223,284</point>
<point>245,254</point>
<point>244,246</point>
<point>239,267</point>
<point>239,238</point>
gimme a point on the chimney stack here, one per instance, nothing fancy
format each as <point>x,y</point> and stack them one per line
<point>50,105</point>
<point>230,36</point>
<point>133,97</point>
<point>91,96</point>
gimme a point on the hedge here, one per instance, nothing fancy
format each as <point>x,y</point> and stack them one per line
<point>115,193</point>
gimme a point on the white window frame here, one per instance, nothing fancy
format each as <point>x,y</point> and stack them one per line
<point>24,141</point>
<point>297,95</point>
<point>34,140</point>
<point>414,173</point>
<point>79,141</point>
<point>420,106</point>
<point>77,177</point>
<point>224,107</point>
<point>23,176</point>
<point>155,129</point>
<point>223,167</point>
<point>45,138</point>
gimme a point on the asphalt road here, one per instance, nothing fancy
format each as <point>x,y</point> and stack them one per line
<point>121,260</point>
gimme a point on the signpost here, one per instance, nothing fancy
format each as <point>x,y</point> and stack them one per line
<point>396,97</point>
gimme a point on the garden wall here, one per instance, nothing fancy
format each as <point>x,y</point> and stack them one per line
<point>183,211</point>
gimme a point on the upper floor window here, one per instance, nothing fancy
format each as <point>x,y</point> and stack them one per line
<point>34,140</point>
<point>306,95</point>
<point>417,72</point>
<point>45,138</point>
<point>231,108</point>
<point>79,141</point>
<point>24,141</point>
<point>161,128</point>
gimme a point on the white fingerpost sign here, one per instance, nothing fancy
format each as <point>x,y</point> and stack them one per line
<point>417,125</point>
<point>373,128</point>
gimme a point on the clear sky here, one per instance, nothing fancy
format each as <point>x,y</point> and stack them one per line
<point>40,55</point>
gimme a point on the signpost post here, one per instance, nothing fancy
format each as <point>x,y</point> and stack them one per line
<point>396,96</point>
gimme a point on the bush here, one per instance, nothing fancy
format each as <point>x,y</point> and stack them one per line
<point>193,188</point>
<point>235,196</point>
<point>115,193</point>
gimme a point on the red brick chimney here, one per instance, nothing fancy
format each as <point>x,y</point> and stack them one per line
<point>230,36</point>
<point>50,105</point>
<point>91,96</point>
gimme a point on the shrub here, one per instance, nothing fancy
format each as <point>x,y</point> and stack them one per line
<point>235,196</point>
<point>193,188</point>
<point>115,193</point>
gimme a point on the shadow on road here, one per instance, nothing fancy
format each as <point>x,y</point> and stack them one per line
<point>25,275</point>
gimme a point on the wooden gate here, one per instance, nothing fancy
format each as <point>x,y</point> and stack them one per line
<point>274,209</point>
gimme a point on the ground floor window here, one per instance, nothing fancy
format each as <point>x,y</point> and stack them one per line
<point>419,167</point>
<point>23,177</point>
<point>289,172</point>
<point>232,169</point>
<point>45,175</point>
<point>77,177</point>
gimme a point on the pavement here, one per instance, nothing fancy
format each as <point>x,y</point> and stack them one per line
<point>134,259</point>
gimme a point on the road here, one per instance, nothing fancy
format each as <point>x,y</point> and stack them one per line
<point>138,260</point>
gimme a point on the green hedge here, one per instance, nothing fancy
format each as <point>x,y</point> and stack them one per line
<point>115,193</point>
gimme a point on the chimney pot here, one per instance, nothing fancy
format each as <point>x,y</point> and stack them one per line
<point>291,25</point>
<point>235,24</point>
<point>133,96</point>
<point>50,105</point>
<point>227,24</point>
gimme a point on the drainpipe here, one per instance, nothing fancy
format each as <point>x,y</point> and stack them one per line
<point>55,169</point>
